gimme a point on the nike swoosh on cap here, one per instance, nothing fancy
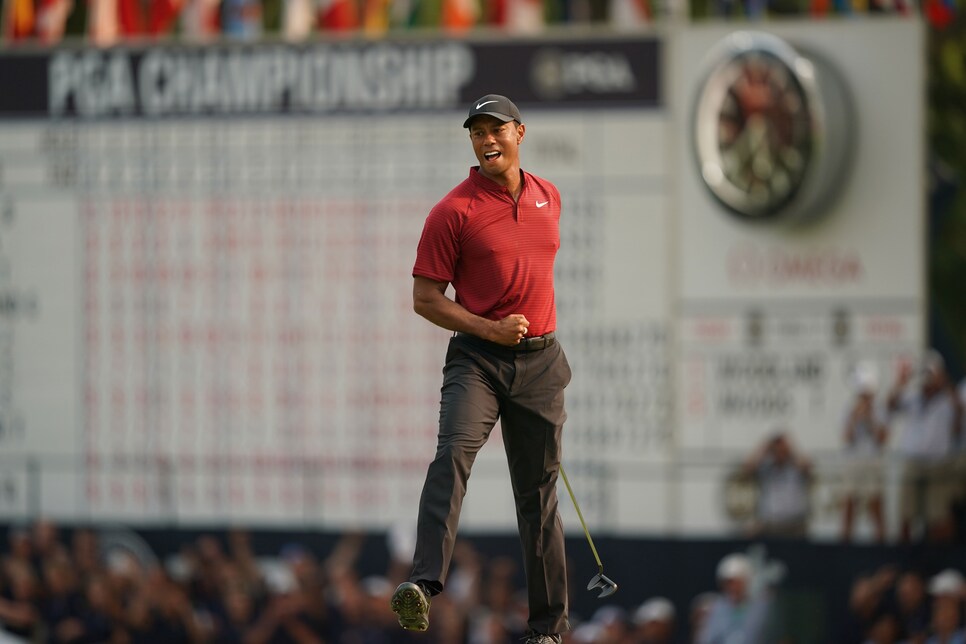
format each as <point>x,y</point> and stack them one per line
<point>541,204</point>
<point>484,103</point>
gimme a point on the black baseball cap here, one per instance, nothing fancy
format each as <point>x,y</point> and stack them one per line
<point>496,106</point>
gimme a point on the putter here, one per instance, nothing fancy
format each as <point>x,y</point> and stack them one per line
<point>600,580</point>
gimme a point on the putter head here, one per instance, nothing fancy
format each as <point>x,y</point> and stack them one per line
<point>605,583</point>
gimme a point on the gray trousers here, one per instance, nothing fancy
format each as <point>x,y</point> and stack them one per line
<point>484,382</point>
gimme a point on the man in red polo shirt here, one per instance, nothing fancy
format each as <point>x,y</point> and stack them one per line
<point>494,237</point>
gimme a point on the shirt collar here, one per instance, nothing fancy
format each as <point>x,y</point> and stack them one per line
<point>482,181</point>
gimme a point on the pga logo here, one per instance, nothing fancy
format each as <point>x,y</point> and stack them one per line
<point>556,74</point>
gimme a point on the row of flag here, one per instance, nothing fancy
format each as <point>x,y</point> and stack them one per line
<point>106,22</point>
<point>939,13</point>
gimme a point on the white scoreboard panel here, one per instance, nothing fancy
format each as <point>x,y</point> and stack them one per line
<point>205,289</point>
<point>208,282</point>
<point>774,316</point>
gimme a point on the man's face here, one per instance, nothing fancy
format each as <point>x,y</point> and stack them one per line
<point>734,588</point>
<point>496,144</point>
<point>933,380</point>
<point>910,590</point>
<point>780,449</point>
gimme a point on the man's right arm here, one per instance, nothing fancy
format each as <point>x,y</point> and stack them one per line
<point>431,302</point>
<point>894,399</point>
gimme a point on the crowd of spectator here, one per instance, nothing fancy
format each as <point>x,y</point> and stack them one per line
<point>892,606</point>
<point>64,586</point>
<point>68,586</point>
<point>916,426</point>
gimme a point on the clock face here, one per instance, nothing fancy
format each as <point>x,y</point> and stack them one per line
<point>758,127</point>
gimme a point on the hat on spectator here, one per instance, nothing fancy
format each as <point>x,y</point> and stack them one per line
<point>656,609</point>
<point>494,105</point>
<point>734,566</point>
<point>933,363</point>
<point>376,586</point>
<point>865,379</point>
<point>948,582</point>
<point>294,552</point>
<point>587,632</point>
<point>607,615</point>
<point>401,541</point>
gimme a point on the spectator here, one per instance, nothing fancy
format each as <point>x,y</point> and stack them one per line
<point>654,622</point>
<point>959,464</point>
<point>175,619</point>
<point>20,547</point>
<point>236,615</point>
<point>45,543</point>
<point>736,616</point>
<point>868,599</point>
<point>698,615</point>
<point>615,628</point>
<point>783,477</point>
<point>85,553</point>
<point>500,597</point>
<point>912,605</point>
<point>865,435</point>
<point>947,590</point>
<point>62,604</point>
<point>884,630</point>
<point>961,411</point>
<point>929,408</point>
<point>242,559</point>
<point>19,595</point>
<point>297,607</point>
<point>102,613</point>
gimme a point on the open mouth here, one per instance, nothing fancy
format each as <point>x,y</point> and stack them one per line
<point>491,156</point>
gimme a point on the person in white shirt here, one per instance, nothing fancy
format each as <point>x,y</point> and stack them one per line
<point>784,477</point>
<point>930,411</point>
<point>865,432</point>
<point>947,589</point>
<point>737,616</point>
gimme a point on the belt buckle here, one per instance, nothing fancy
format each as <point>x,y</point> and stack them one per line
<point>534,344</point>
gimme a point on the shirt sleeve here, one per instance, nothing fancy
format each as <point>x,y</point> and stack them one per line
<point>438,249</point>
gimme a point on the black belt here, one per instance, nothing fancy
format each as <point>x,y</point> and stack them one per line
<point>534,343</point>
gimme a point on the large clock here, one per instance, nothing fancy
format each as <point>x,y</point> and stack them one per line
<point>771,129</point>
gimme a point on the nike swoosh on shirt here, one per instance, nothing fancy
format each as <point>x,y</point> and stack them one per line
<point>484,103</point>
<point>541,204</point>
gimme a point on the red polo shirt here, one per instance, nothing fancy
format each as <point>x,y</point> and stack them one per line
<point>498,254</point>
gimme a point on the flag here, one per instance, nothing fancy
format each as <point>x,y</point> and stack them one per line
<point>755,9</point>
<point>163,15</point>
<point>627,14</point>
<point>459,15</point>
<point>339,15</point>
<point>524,16</point>
<point>130,18</point>
<point>819,8</point>
<point>842,6</point>
<point>375,17</point>
<point>19,19</point>
<point>495,12</point>
<point>940,13</point>
<point>199,20</point>
<point>242,19</point>
<point>402,13</point>
<point>103,28</point>
<point>52,19</point>
<point>298,19</point>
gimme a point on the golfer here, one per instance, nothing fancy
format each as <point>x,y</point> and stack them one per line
<point>494,237</point>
